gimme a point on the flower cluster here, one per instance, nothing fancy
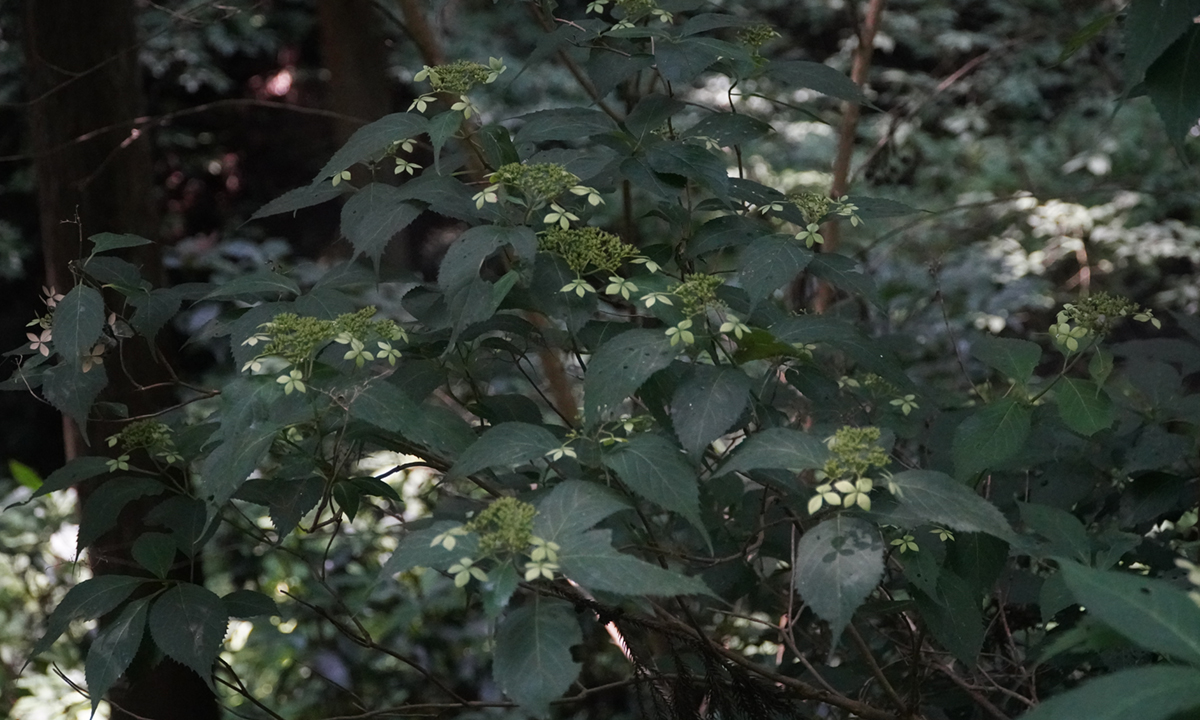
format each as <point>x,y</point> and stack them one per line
<point>534,185</point>
<point>150,435</point>
<point>854,453</point>
<point>814,206</point>
<point>1095,316</point>
<point>295,339</point>
<point>457,78</point>
<point>504,528</point>
<point>586,249</point>
<point>698,292</point>
<point>755,36</point>
<point>879,386</point>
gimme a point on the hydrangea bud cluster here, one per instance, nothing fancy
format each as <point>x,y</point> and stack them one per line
<point>505,528</point>
<point>854,453</point>
<point>586,249</point>
<point>814,206</point>
<point>1095,315</point>
<point>459,76</point>
<point>295,339</point>
<point>755,36</point>
<point>150,435</point>
<point>698,292</point>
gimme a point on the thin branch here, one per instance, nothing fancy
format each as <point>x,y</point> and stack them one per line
<point>969,689</point>
<point>865,651</point>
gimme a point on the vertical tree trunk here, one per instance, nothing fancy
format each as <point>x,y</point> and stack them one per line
<point>353,50</point>
<point>94,174</point>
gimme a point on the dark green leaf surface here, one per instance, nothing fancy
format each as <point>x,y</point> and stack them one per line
<point>729,129</point>
<point>113,650</point>
<point>72,391</point>
<point>86,601</point>
<point>590,559</point>
<point>1067,536</point>
<point>507,444</point>
<point>245,604</point>
<point>572,506</point>
<point>954,617</point>
<point>934,497</point>
<point>815,76</point>
<point>369,142</point>
<point>655,469</point>
<point>1172,83</point>
<point>1084,407</point>
<point>837,564</point>
<point>373,216</point>
<point>80,468</point>
<point>300,198</point>
<point>563,124</point>
<point>1152,26</point>
<point>990,436</point>
<point>462,261</point>
<point>155,552</point>
<point>620,367</point>
<point>1151,613</point>
<point>532,661</point>
<point>78,322</point>
<point>188,624</point>
<point>227,467</point>
<point>1017,359</point>
<point>415,549</point>
<point>777,449</point>
<point>104,242</point>
<point>1146,693</point>
<point>693,162</point>
<point>769,263</point>
<point>104,505</point>
<point>262,282</point>
<point>707,404</point>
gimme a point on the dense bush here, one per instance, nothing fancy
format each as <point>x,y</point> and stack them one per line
<point>735,507</point>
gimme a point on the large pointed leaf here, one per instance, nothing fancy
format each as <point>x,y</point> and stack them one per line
<point>86,601</point>
<point>1015,358</point>
<point>590,560</point>
<point>244,604</point>
<point>953,616</point>
<point>927,496</point>
<point>114,649</point>
<point>300,198</point>
<point>188,624</point>
<point>386,406</point>
<point>574,505</point>
<point>76,470</point>
<point>464,258</point>
<point>1152,26</point>
<point>506,444</point>
<point>990,436</point>
<point>78,322</point>
<point>562,124</point>
<point>777,449</point>
<point>1067,535</point>
<point>620,367</point>
<point>373,216</point>
<point>72,391</point>
<point>838,563</point>
<point>227,467</point>
<point>769,263</point>
<point>1158,692</point>
<point>692,162</point>
<point>815,76</point>
<point>287,501</point>
<point>845,337</point>
<point>729,128</point>
<point>104,505</point>
<point>1151,613</point>
<point>654,468</point>
<point>1083,406</point>
<point>416,549</point>
<point>263,282</point>
<point>106,241</point>
<point>707,404</point>
<point>532,661</point>
<point>369,142</point>
<point>1172,83</point>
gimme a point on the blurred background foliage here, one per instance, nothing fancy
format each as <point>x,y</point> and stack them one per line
<point>1038,182</point>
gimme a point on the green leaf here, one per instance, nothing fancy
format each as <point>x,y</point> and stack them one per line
<point>990,436</point>
<point>186,518</point>
<point>1084,407</point>
<point>934,497</point>
<point>373,216</point>
<point>1100,366</point>
<point>1017,359</point>
<point>498,148</point>
<point>843,336</point>
<point>502,582</point>
<point>77,470</point>
<point>652,467</point>
<point>729,129</point>
<point>707,404</point>
<point>620,367</point>
<point>777,449</point>
<point>769,263</point>
<point>155,552</point>
<point>287,501</point>
<point>103,242</point>
<point>532,661</point>
<point>463,260</point>
<point>444,195</point>
<point>574,505</point>
<point>650,113</point>
<point>505,445</point>
<point>262,282</point>
<point>188,624</point>
<point>152,310</point>
<point>725,231</point>
<point>953,616</point>
<point>608,69</point>
<point>590,559</point>
<point>245,604</point>
<point>227,467</point>
<point>371,141</point>
<point>72,391</point>
<point>86,601</point>
<point>871,208</point>
<point>78,322</point>
<point>1158,692</point>
<point>692,162</point>
<point>113,650</point>
<point>415,550</point>
<point>24,475</point>
<point>384,405</point>
<point>1151,613</point>
<point>1172,83</point>
<point>680,61</point>
<point>837,564</point>
<point>300,198</point>
<point>1086,34</point>
<point>441,128</point>
<point>117,273</point>
<point>847,274</point>
<point>104,504</point>
<point>711,21</point>
<point>815,76</point>
<point>1152,26</point>
<point>562,124</point>
<point>1068,537</point>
